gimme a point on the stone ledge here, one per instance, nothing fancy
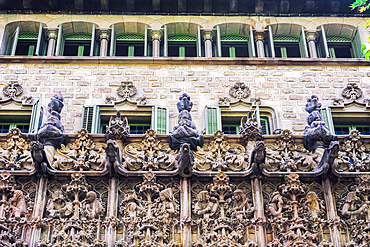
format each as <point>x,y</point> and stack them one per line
<point>187,61</point>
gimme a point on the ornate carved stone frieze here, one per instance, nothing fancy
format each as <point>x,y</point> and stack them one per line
<point>222,215</point>
<point>149,214</point>
<point>355,212</point>
<point>82,154</point>
<point>118,128</point>
<point>73,215</point>
<point>15,154</point>
<point>149,155</point>
<point>12,90</point>
<point>295,215</point>
<point>352,92</point>
<point>286,155</point>
<point>219,155</point>
<point>239,91</point>
<point>354,155</point>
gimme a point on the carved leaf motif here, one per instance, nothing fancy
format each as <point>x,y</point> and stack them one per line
<point>126,90</point>
<point>239,91</point>
<point>13,90</point>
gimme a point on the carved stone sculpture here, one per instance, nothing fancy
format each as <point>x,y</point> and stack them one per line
<point>185,131</point>
<point>239,91</point>
<point>18,206</point>
<point>92,207</point>
<point>126,90</point>
<point>12,90</point>
<point>58,206</point>
<point>118,128</point>
<point>352,91</point>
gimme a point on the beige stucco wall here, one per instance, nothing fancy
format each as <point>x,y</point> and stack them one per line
<point>285,88</point>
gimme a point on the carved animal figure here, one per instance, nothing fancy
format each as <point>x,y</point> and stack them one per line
<point>186,161</point>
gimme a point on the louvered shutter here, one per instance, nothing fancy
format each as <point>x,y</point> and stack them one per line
<point>41,42</point>
<point>213,119</point>
<point>160,119</point>
<point>112,51</point>
<point>60,42</point>
<point>357,43</point>
<point>165,42</point>
<point>327,118</point>
<point>93,41</point>
<point>271,43</point>
<point>303,44</point>
<point>199,43</point>
<point>323,45</point>
<point>251,46</point>
<point>146,41</point>
<point>15,41</point>
<point>36,116</point>
<point>218,40</point>
<point>91,119</point>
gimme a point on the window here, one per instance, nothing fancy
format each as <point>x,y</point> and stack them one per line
<point>129,44</point>
<point>286,45</point>
<point>234,45</point>
<point>229,122</point>
<point>332,44</point>
<point>77,43</point>
<point>26,43</point>
<point>96,121</point>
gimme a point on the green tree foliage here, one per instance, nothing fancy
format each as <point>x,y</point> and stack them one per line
<point>362,6</point>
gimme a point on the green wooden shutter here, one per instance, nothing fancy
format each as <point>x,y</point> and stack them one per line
<point>112,51</point>
<point>41,43</point>
<point>91,119</point>
<point>357,43</point>
<point>131,51</point>
<point>36,116</point>
<point>160,119</point>
<point>218,40</point>
<point>60,42</point>
<point>213,119</point>
<point>332,52</point>
<point>271,43</point>
<point>327,118</point>
<point>251,47</point>
<point>93,40</point>
<point>146,41</point>
<point>324,50</point>
<point>199,43</point>
<point>303,44</point>
<point>265,126</point>
<point>15,41</point>
<point>181,51</point>
<point>232,51</point>
<point>165,42</point>
<point>283,52</point>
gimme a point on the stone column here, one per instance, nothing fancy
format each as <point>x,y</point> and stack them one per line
<point>258,200</point>
<point>332,212</point>
<point>52,40</point>
<point>259,37</point>
<point>207,38</point>
<point>185,216</point>
<point>156,38</point>
<point>112,205</point>
<point>40,202</point>
<point>103,36</point>
<point>311,37</point>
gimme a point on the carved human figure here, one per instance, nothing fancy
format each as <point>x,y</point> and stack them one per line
<point>205,206</point>
<point>166,206</point>
<point>240,205</point>
<point>313,204</point>
<point>275,205</point>
<point>58,207</point>
<point>18,206</point>
<point>92,206</point>
<point>133,207</point>
<point>350,209</point>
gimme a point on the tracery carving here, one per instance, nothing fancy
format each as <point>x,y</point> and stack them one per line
<point>352,91</point>
<point>355,211</point>
<point>118,128</point>
<point>353,156</point>
<point>15,154</point>
<point>295,215</point>
<point>239,91</point>
<point>222,215</point>
<point>149,155</point>
<point>74,215</point>
<point>149,215</point>
<point>126,90</point>
<point>219,155</point>
<point>82,154</point>
<point>286,155</point>
<point>12,90</point>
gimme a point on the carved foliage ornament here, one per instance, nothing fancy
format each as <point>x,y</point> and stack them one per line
<point>13,90</point>
<point>150,213</point>
<point>219,155</point>
<point>239,91</point>
<point>118,128</point>
<point>353,156</point>
<point>15,154</point>
<point>82,154</point>
<point>219,209</point>
<point>126,90</point>
<point>149,155</point>
<point>352,91</point>
<point>286,155</point>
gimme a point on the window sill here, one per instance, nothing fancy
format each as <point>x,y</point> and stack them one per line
<point>186,60</point>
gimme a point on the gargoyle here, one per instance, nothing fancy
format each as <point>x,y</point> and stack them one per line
<point>258,157</point>
<point>185,160</point>
<point>113,157</point>
<point>39,157</point>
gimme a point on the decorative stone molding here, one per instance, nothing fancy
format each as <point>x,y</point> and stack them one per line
<point>126,90</point>
<point>223,100</point>
<point>352,92</point>
<point>13,90</point>
<point>239,91</point>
